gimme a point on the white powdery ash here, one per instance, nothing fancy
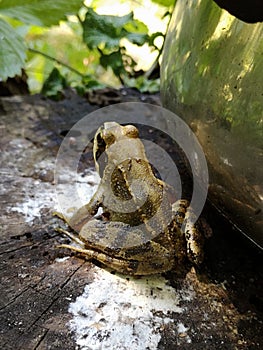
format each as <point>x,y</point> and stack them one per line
<point>118,314</point>
<point>40,195</point>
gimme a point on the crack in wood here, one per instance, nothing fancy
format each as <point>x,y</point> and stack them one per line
<point>56,296</point>
<point>14,298</point>
<point>30,244</point>
<point>16,249</point>
<point>41,339</point>
<point>36,322</point>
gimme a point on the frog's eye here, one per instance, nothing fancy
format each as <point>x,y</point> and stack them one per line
<point>101,141</point>
<point>131,131</point>
<point>99,146</point>
<point>108,137</point>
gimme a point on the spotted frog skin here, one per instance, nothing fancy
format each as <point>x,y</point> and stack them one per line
<point>141,232</point>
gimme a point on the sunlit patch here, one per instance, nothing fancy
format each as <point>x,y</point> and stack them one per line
<point>119,313</point>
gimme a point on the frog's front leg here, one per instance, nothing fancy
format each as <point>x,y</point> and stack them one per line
<point>186,221</point>
<point>86,212</point>
<point>79,218</point>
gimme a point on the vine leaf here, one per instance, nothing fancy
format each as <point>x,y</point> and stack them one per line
<point>12,51</point>
<point>54,85</point>
<point>113,60</point>
<point>107,31</point>
<point>40,13</point>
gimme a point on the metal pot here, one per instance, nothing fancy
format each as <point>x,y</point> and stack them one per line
<point>211,76</point>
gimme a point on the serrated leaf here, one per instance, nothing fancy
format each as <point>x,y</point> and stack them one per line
<point>143,84</point>
<point>109,30</point>
<point>96,32</point>
<point>54,85</point>
<point>136,26</point>
<point>12,51</point>
<point>88,82</point>
<point>136,32</point>
<point>113,60</point>
<point>41,13</point>
<point>137,38</point>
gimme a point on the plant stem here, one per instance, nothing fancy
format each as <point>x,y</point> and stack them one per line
<point>155,63</point>
<point>57,61</point>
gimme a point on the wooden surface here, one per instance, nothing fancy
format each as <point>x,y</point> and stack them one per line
<point>37,284</point>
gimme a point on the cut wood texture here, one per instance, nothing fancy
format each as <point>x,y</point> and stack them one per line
<point>218,307</point>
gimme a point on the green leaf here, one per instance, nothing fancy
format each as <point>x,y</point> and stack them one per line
<point>143,84</point>
<point>105,30</point>
<point>136,26</point>
<point>54,85</point>
<point>98,29</point>
<point>12,51</point>
<point>113,60</point>
<point>88,82</point>
<point>41,13</point>
<point>137,38</point>
<point>166,3</point>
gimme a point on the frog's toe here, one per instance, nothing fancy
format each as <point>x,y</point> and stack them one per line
<point>58,214</point>
<point>194,244</point>
<point>72,236</point>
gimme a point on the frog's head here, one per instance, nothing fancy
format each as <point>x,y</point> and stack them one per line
<point>108,134</point>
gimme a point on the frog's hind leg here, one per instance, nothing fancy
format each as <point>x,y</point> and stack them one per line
<point>131,267</point>
<point>120,265</point>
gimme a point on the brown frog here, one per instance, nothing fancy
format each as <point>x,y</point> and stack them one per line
<point>142,231</point>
